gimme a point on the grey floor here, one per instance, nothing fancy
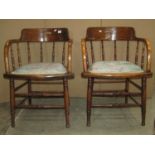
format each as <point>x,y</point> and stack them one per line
<point>125,121</point>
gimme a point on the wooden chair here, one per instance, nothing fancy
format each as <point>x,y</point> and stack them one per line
<point>115,55</point>
<point>40,56</point>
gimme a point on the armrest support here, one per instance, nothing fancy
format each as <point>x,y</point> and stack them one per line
<point>84,55</point>
<point>69,64</point>
<point>149,55</point>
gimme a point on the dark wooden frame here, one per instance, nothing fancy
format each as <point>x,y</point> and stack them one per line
<point>115,34</point>
<point>40,36</point>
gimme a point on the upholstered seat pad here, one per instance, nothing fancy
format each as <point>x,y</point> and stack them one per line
<point>41,68</point>
<point>114,67</point>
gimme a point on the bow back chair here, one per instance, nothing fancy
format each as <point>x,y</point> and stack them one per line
<point>115,55</point>
<point>41,56</point>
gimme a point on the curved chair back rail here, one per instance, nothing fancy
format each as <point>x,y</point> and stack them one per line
<point>44,35</point>
<point>110,33</point>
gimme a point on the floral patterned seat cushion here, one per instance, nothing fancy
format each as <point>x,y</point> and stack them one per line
<point>41,68</point>
<point>114,67</point>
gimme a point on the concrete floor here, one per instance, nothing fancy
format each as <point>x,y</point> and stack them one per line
<point>125,121</point>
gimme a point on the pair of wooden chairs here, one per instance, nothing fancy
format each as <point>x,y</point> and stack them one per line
<point>110,55</point>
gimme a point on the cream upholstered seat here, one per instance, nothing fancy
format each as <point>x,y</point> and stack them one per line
<point>114,67</point>
<point>41,68</point>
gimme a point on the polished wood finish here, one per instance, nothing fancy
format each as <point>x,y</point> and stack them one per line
<point>110,41</point>
<point>32,47</point>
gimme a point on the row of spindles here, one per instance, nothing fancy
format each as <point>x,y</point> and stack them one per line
<point>19,59</point>
<point>115,52</point>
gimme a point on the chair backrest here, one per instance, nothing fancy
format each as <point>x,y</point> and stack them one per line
<point>114,43</point>
<point>39,45</point>
<point>44,34</point>
<point>110,33</point>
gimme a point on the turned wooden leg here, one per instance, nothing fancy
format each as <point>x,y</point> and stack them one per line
<point>12,102</point>
<point>29,91</point>
<point>127,90</point>
<point>89,100</point>
<point>66,102</point>
<point>143,100</point>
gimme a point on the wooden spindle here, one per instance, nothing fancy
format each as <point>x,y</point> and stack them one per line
<point>19,55</point>
<point>102,50</point>
<point>137,51</point>
<point>53,52</point>
<point>85,52</point>
<point>92,52</point>
<point>87,58</point>
<point>115,50</point>
<point>29,53</point>
<point>41,52</point>
<point>63,54</point>
<point>12,58</point>
<point>142,57</point>
<point>127,51</point>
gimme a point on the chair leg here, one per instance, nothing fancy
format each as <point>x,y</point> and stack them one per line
<point>29,91</point>
<point>89,100</point>
<point>12,102</point>
<point>143,100</point>
<point>126,89</point>
<point>66,102</point>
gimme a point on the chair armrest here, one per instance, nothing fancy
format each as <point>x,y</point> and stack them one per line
<point>69,57</point>
<point>6,54</point>
<point>149,53</point>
